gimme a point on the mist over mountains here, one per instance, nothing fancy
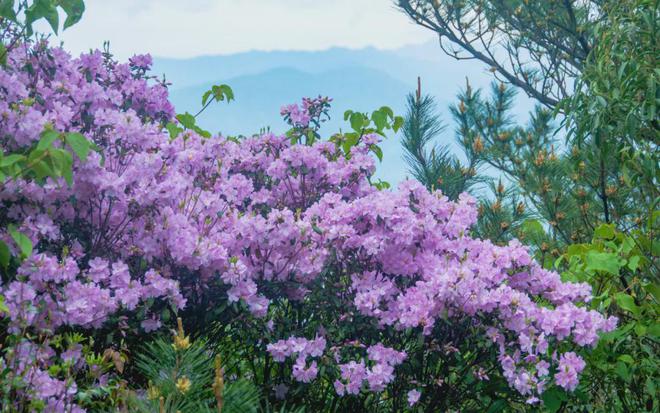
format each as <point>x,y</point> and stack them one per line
<point>362,79</point>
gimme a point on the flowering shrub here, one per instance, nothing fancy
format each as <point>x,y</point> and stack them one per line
<point>363,290</point>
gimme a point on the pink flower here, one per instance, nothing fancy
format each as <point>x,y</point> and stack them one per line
<point>413,397</point>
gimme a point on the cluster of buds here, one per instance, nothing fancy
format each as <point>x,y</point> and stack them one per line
<point>540,158</point>
<point>183,384</point>
<point>478,145</point>
<point>181,341</point>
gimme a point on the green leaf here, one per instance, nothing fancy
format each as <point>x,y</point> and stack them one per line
<point>23,242</point>
<point>626,302</point>
<point>626,358</point>
<point>173,129</point>
<point>187,120</point>
<point>603,261</point>
<point>350,140</point>
<point>552,400</point>
<point>605,231</point>
<point>47,139</point>
<point>640,329</point>
<point>357,121</point>
<point>377,151</point>
<point>11,160</point>
<point>387,111</point>
<point>532,228</point>
<point>79,144</point>
<point>62,164</point>
<point>74,10</point>
<point>205,96</point>
<point>380,120</point>
<point>7,10</point>
<point>227,91</point>
<point>654,330</point>
<point>3,307</point>
<point>42,9</point>
<point>633,262</point>
<point>622,371</point>
<point>398,122</point>
<point>5,255</point>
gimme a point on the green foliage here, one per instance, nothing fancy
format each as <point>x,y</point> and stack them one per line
<point>363,124</point>
<point>589,199</point>
<point>182,377</point>
<point>623,372</point>
<point>48,158</point>
<point>189,121</point>
<point>25,13</point>
<point>219,93</point>
<point>538,46</point>
<point>91,394</point>
<point>430,163</point>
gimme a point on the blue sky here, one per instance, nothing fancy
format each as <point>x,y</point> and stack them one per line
<point>187,28</point>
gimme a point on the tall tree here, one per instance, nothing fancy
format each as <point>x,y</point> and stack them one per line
<point>538,46</point>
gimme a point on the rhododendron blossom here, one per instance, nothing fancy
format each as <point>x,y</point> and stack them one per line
<point>150,217</point>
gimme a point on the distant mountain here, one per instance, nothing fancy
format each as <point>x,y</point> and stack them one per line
<point>363,79</point>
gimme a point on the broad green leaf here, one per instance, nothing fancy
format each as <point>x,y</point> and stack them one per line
<point>62,162</point>
<point>622,371</point>
<point>654,290</point>
<point>626,302</point>
<point>633,262</point>
<point>46,9</point>
<point>227,92</point>
<point>380,120</point>
<point>74,10</point>
<point>387,111</point>
<point>187,120</point>
<point>605,231</point>
<point>47,139</point>
<point>79,144</point>
<point>23,242</point>
<point>11,160</point>
<point>357,121</point>
<point>552,400</point>
<point>533,228</point>
<point>603,261</point>
<point>173,129</point>
<point>350,140</point>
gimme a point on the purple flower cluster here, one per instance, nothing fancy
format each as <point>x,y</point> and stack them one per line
<point>51,293</point>
<point>312,110</point>
<point>146,211</point>
<point>302,349</point>
<point>378,375</point>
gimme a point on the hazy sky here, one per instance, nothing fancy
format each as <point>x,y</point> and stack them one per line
<point>185,28</point>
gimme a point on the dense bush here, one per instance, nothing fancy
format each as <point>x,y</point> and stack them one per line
<point>356,285</point>
<point>309,283</point>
